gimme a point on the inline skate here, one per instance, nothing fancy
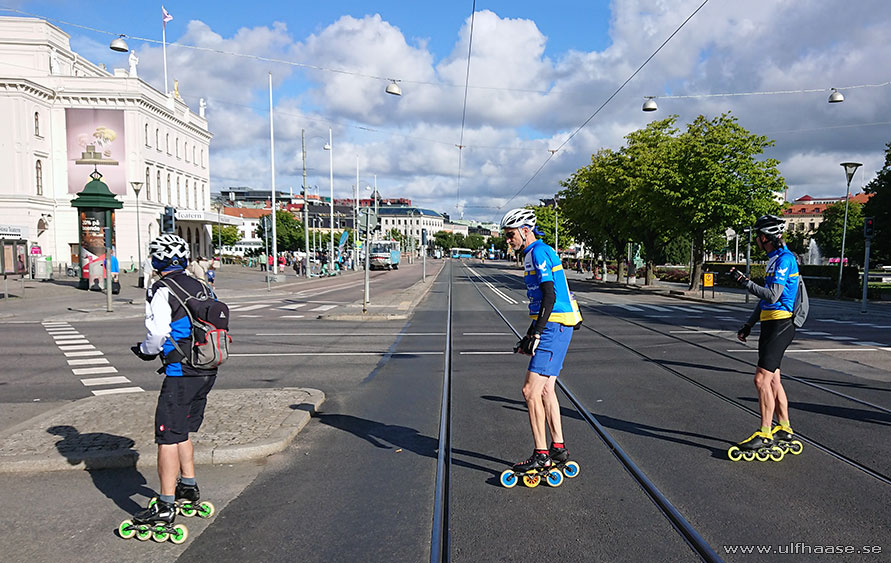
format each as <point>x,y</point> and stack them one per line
<point>759,445</point>
<point>155,522</point>
<point>187,497</point>
<point>541,465</point>
<point>785,439</point>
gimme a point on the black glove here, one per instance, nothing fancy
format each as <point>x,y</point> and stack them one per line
<point>142,356</point>
<point>739,277</point>
<point>743,332</point>
<point>528,344</point>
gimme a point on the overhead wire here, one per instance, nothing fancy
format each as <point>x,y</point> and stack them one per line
<point>464,110</point>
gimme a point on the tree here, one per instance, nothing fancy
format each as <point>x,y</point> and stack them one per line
<point>444,240</point>
<point>545,217</point>
<point>227,236</point>
<point>797,242</point>
<point>475,241</point>
<point>829,233</point>
<point>288,231</point>
<point>879,207</point>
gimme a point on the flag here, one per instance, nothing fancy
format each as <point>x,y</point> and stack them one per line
<point>165,17</point>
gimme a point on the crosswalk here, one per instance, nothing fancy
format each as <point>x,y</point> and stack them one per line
<point>281,309</point>
<point>84,359</point>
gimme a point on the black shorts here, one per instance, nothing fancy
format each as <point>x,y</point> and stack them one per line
<point>181,407</point>
<point>776,335</point>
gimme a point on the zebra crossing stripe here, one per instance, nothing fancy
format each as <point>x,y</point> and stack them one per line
<point>118,390</point>
<point>322,308</point>
<point>84,353</point>
<point>94,371</point>
<point>105,381</point>
<point>87,361</point>
<point>80,345</point>
<point>251,307</point>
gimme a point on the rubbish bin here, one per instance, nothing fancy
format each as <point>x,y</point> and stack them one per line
<point>43,267</point>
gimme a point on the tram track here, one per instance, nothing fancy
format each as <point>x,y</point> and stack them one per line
<point>693,538</point>
<point>876,474</point>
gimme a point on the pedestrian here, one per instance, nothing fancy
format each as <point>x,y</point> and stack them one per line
<point>775,311</point>
<point>183,396</point>
<point>555,314</point>
<point>197,269</point>
<point>270,262</point>
<point>211,275</point>
<point>262,261</point>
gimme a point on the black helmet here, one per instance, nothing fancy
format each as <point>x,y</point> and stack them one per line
<point>770,225</point>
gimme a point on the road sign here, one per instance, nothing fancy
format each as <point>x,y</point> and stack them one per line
<point>367,218</point>
<point>708,279</point>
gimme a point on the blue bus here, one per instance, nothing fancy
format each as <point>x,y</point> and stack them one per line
<point>385,254</point>
<point>462,253</point>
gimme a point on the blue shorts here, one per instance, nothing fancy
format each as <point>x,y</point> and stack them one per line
<point>548,358</point>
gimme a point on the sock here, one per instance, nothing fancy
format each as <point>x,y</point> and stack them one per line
<point>785,423</point>
<point>557,445</point>
<point>169,499</point>
<point>765,429</point>
<point>541,452</point>
<point>187,480</point>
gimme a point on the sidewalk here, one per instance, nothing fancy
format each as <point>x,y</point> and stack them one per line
<point>116,430</point>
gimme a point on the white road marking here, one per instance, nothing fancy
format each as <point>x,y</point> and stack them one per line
<point>487,333</point>
<point>493,353</point>
<point>72,336</point>
<point>85,353</point>
<point>93,371</point>
<point>654,307</point>
<point>293,306</point>
<point>249,316</point>
<point>104,381</point>
<point>841,338</point>
<point>118,390</point>
<point>815,333</point>
<point>322,308</point>
<point>341,334</point>
<point>699,331</point>
<point>629,307</point>
<point>876,344</point>
<point>350,353</point>
<point>87,361</point>
<point>815,350</point>
<point>86,346</point>
<point>291,317</point>
<point>251,307</point>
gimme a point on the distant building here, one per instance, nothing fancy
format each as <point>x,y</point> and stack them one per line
<point>806,213</point>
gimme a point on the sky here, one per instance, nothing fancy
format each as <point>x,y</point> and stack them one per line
<point>538,71</point>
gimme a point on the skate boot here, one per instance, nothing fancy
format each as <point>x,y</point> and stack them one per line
<point>532,470</point>
<point>759,445</point>
<point>560,459</point>
<point>187,497</point>
<point>155,522</point>
<point>785,439</point>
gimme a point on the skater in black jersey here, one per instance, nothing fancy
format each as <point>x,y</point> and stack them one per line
<point>183,396</point>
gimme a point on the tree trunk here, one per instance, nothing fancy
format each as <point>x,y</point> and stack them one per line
<point>620,269</point>
<point>696,274</point>
<point>651,273</point>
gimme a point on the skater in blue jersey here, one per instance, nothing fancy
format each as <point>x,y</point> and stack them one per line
<point>554,315</point>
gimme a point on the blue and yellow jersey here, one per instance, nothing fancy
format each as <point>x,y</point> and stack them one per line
<point>782,269</point>
<point>542,264</point>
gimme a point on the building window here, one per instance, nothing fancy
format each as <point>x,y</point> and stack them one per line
<point>186,150</point>
<point>38,171</point>
<point>202,158</point>
<point>167,142</point>
<point>37,124</point>
<point>202,196</point>
<point>157,139</point>
<point>187,193</point>
<point>178,200</point>
<point>148,184</point>
<point>176,142</point>
<point>147,135</point>
<point>169,198</point>
<point>193,154</point>
<point>158,185</point>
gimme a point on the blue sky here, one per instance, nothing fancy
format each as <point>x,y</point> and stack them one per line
<point>538,71</point>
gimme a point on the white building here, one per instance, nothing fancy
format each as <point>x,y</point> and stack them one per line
<point>410,221</point>
<point>54,105</point>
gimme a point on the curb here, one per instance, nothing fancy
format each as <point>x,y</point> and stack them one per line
<point>126,456</point>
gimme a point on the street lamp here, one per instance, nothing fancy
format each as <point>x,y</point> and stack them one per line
<point>850,169</point>
<point>330,148</point>
<point>118,44</point>
<point>137,186</point>
<point>650,104</point>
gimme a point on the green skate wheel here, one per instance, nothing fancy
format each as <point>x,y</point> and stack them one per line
<point>206,510</point>
<point>748,455</point>
<point>734,453</point>
<point>555,478</point>
<point>179,534</point>
<point>127,529</point>
<point>152,502</point>
<point>571,469</point>
<point>777,454</point>
<point>143,533</point>
<point>531,479</point>
<point>159,534</point>
<point>187,509</point>
<point>795,447</point>
<point>508,479</point>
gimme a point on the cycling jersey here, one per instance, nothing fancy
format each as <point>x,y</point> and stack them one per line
<point>782,270</point>
<point>541,264</point>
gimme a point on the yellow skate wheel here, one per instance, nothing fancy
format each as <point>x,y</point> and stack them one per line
<point>734,453</point>
<point>126,529</point>
<point>762,455</point>
<point>795,446</point>
<point>531,479</point>
<point>777,453</point>
<point>748,455</point>
<point>179,534</point>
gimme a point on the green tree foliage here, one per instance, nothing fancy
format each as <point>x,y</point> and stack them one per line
<point>879,207</point>
<point>444,240</point>
<point>288,231</point>
<point>227,236</point>
<point>797,242</point>
<point>665,184</point>
<point>475,241</point>
<point>545,217</point>
<point>829,233</point>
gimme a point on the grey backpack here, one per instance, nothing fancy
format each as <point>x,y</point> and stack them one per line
<point>800,309</point>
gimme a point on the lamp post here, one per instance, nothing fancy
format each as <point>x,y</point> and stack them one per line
<point>330,148</point>
<point>850,169</point>
<point>137,186</point>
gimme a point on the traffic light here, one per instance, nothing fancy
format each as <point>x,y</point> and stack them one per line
<point>868,227</point>
<point>168,220</point>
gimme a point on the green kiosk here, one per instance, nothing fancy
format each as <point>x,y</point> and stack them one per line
<point>95,213</point>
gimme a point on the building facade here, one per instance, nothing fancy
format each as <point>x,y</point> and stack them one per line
<point>59,107</point>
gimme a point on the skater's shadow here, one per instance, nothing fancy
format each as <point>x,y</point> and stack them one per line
<point>110,460</point>
<point>675,436</point>
<point>847,413</point>
<point>392,436</point>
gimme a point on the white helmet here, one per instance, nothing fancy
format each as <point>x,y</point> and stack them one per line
<point>520,217</point>
<point>171,249</point>
<point>770,225</point>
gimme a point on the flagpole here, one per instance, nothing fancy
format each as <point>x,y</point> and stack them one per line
<point>272,166</point>
<point>164,48</point>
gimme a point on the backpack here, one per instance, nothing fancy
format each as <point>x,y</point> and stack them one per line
<point>801,306</point>
<point>209,317</point>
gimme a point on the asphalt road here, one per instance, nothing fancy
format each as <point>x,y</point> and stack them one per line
<point>665,377</point>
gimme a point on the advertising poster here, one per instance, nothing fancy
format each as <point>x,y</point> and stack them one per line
<point>92,249</point>
<point>102,129</point>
